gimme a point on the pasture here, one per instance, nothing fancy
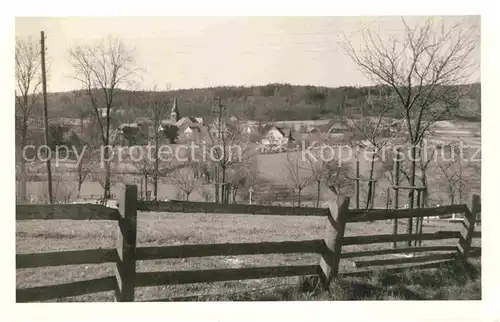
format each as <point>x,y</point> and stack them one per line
<point>161,229</point>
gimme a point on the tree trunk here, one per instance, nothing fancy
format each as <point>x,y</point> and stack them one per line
<point>298,197</point>
<point>424,196</point>
<point>409,229</point>
<point>141,189</point>
<point>157,163</point>
<point>319,191</point>
<point>235,192</point>
<point>223,185</point>
<point>23,178</point>
<point>107,182</point>
<point>217,184</point>
<point>79,188</point>
<point>369,197</point>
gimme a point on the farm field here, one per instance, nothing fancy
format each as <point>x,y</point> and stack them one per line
<point>272,168</point>
<point>171,229</point>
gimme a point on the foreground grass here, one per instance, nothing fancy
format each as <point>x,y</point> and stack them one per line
<point>174,229</point>
<point>450,282</point>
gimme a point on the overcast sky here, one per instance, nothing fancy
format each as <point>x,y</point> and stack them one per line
<point>188,52</point>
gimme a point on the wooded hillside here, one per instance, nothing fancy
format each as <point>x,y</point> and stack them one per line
<point>272,102</point>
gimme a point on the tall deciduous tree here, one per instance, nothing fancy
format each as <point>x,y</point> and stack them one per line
<point>28,80</point>
<point>102,69</point>
<point>419,66</point>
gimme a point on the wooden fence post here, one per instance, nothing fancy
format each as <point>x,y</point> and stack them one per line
<point>422,205</point>
<point>418,222</point>
<point>126,244</point>
<point>335,225</point>
<point>396,197</point>
<point>469,224</point>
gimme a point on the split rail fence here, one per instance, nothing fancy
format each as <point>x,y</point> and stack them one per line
<point>329,248</point>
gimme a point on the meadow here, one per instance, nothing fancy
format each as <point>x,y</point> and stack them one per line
<point>271,167</point>
<point>156,229</point>
<point>174,229</point>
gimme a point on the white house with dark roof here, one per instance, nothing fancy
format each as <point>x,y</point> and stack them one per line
<point>277,135</point>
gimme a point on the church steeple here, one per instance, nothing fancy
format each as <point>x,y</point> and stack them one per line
<point>174,114</point>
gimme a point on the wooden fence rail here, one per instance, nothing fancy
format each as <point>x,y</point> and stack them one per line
<point>373,239</point>
<point>186,251</point>
<point>384,214</point>
<point>218,275</point>
<point>220,208</point>
<point>395,261</point>
<point>43,293</point>
<point>69,212</point>
<point>126,254</point>
<point>74,257</point>
<point>391,251</point>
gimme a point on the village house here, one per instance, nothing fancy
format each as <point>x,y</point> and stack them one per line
<point>277,138</point>
<point>337,128</point>
<point>250,128</point>
<point>186,122</point>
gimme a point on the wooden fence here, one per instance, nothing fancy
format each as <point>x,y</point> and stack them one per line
<point>329,249</point>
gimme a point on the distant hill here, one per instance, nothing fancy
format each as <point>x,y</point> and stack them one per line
<point>270,102</point>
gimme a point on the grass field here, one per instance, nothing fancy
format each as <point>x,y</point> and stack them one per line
<point>272,167</point>
<point>171,229</point>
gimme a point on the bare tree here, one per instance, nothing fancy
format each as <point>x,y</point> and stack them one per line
<point>102,69</point>
<point>228,147</point>
<point>319,169</point>
<point>97,175</point>
<point>185,180</point>
<point>242,176</point>
<point>372,131</point>
<point>453,165</point>
<point>420,67</point>
<point>206,192</point>
<point>298,174</point>
<point>28,91</point>
<point>86,154</point>
<point>84,167</point>
<point>61,191</point>
<point>252,176</point>
<point>144,165</point>
<point>157,105</point>
<point>338,177</point>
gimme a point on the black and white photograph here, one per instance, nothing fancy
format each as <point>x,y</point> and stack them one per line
<point>247,158</point>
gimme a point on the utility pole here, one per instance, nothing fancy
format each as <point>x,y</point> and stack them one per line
<point>45,116</point>
<point>220,194</point>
